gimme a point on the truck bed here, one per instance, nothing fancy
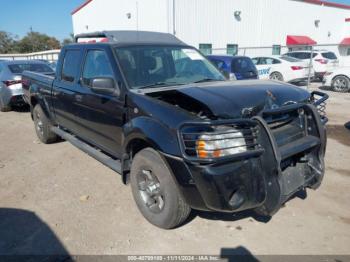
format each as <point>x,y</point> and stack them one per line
<point>42,80</point>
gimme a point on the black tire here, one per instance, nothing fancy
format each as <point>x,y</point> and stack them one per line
<point>276,76</point>
<point>341,84</point>
<point>43,126</point>
<point>166,208</point>
<point>7,108</point>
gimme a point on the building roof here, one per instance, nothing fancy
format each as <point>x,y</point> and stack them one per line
<point>315,2</point>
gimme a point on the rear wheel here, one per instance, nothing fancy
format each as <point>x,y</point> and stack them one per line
<point>155,191</point>
<point>4,108</point>
<point>276,76</point>
<point>43,126</point>
<point>341,84</point>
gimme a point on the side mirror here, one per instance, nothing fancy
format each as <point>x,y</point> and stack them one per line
<point>105,86</point>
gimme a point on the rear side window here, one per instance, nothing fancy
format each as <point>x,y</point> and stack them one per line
<point>70,67</point>
<point>303,55</point>
<point>289,59</point>
<point>38,68</point>
<point>218,63</point>
<point>96,65</point>
<point>243,64</point>
<point>329,55</point>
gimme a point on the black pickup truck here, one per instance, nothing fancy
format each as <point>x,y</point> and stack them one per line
<point>159,113</point>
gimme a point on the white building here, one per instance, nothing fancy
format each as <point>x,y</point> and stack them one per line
<point>229,25</point>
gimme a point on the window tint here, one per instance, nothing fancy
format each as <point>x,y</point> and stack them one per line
<point>70,65</point>
<point>96,65</point>
<point>255,61</point>
<point>329,55</point>
<point>242,65</point>
<point>39,68</point>
<point>162,65</point>
<point>218,63</point>
<point>304,55</point>
<point>290,59</point>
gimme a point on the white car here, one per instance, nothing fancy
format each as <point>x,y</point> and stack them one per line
<point>322,61</point>
<point>282,68</point>
<point>338,79</point>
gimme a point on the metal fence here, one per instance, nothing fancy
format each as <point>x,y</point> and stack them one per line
<point>342,52</point>
<point>50,55</point>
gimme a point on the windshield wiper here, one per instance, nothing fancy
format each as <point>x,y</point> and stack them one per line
<point>160,84</point>
<point>207,80</point>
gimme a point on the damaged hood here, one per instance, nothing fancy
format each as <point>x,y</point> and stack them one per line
<point>233,99</point>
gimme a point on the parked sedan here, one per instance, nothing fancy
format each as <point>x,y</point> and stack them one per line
<point>11,92</point>
<point>322,60</point>
<point>338,79</point>
<point>235,67</point>
<point>282,68</point>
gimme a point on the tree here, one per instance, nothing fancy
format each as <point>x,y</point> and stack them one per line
<point>7,43</point>
<point>69,40</point>
<point>35,42</point>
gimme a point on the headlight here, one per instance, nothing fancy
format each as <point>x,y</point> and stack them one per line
<point>328,73</point>
<point>222,142</point>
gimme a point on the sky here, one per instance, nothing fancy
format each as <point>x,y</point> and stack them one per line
<point>52,17</point>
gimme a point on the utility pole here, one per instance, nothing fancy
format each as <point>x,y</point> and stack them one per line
<point>31,39</point>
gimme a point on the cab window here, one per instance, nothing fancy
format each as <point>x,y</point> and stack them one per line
<point>96,65</point>
<point>71,65</point>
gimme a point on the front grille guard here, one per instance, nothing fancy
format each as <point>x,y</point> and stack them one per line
<point>248,128</point>
<point>318,99</point>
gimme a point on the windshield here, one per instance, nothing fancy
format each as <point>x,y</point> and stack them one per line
<point>39,68</point>
<point>145,66</point>
<point>243,65</point>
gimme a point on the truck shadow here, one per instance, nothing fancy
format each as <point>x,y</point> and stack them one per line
<point>21,109</point>
<point>25,237</point>
<point>237,254</point>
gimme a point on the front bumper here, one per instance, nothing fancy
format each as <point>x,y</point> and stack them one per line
<point>268,177</point>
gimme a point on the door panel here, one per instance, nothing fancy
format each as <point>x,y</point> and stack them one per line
<point>65,87</point>
<point>100,117</point>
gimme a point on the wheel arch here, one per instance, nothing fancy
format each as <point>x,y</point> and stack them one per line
<point>334,77</point>
<point>146,132</point>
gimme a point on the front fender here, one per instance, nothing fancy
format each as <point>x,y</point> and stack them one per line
<point>160,136</point>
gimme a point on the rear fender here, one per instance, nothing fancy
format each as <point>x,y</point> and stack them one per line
<point>37,99</point>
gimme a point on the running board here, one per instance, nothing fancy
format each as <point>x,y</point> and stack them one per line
<point>91,151</point>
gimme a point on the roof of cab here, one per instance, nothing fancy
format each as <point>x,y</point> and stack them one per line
<point>132,37</point>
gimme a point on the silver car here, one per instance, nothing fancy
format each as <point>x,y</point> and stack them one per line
<point>11,93</point>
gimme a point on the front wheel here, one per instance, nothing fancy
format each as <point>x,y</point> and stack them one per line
<point>341,84</point>
<point>276,76</point>
<point>155,191</point>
